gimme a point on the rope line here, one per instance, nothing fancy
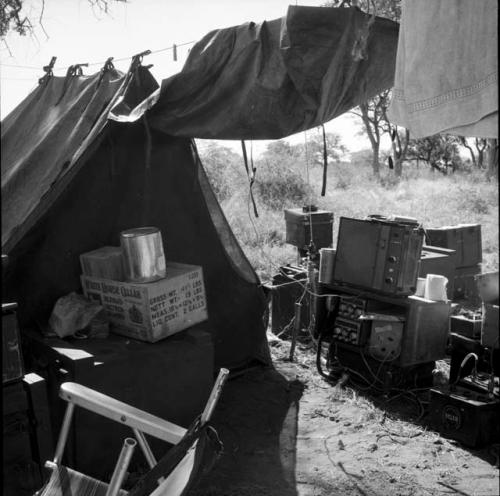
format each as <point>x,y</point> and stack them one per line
<point>122,59</point>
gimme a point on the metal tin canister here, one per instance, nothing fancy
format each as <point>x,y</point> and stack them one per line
<point>143,256</point>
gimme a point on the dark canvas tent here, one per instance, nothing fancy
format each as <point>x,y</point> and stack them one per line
<point>72,179</point>
<point>125,176</point>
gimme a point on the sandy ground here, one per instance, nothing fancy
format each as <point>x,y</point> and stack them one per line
<point>287,432</point>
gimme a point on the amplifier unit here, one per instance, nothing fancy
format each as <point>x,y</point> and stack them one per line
<point>378,255</point>
<point>352,332</point>
<point>355,320</point>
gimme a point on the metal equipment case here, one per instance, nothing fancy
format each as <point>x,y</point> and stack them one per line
<point>465,239</point>
<point>436,260</point>
<point>377,255</point>
<point>426,331</point>
<point>300,222</point>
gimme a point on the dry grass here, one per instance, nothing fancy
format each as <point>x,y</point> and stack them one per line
<point>434,199</point>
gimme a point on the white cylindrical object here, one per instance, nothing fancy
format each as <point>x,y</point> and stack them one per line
<point>435,287</point>
<point>143,256</point>
<point>420,291</point>
<point>326,261</point>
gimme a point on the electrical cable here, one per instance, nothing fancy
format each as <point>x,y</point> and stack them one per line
<point>370,385</point>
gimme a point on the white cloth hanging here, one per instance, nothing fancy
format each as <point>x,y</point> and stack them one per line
<point>446,78</point>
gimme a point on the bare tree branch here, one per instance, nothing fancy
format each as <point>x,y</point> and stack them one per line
<point>40,20</point>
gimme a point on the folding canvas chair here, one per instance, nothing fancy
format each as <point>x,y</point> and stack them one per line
<point>194,448</point>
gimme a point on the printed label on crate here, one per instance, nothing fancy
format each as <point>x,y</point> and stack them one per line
<point>120,302</point>
<point>178,302</point>
<point>153,310</point>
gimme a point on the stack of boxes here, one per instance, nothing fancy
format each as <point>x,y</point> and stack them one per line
<point>145,311</point>
<point>27,435</point>
<point>377,261</point>
<point>288,284</point>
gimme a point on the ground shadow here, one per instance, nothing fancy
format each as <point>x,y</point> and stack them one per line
<point>256,419</point>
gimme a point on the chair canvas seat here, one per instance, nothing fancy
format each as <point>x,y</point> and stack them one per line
<point>67,482</point>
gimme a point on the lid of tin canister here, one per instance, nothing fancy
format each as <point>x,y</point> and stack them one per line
<point>139,231</point>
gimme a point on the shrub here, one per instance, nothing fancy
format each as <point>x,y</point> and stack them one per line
<point>224,169</point>
<point>278,185</point>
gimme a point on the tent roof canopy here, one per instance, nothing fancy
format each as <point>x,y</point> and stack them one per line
<point>275,78</point>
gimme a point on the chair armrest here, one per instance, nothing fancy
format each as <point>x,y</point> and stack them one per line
<point>120,412</point>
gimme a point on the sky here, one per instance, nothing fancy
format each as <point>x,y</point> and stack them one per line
<point>75,32</point>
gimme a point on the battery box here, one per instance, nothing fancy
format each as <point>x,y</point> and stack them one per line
<point>465,415</point>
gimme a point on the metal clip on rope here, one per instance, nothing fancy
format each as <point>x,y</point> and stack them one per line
<point>48,71</point>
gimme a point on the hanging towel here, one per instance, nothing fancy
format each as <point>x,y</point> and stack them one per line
<point>446,77</point>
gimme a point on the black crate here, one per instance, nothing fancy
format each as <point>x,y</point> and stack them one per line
<point>12,363</point>
<point>21,474</point>
<point>300,223</point>
<point>464,239</point>
<point>465,415</point>
<point>469,327</point>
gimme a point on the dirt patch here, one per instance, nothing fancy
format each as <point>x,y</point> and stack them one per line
<point>287,432</point>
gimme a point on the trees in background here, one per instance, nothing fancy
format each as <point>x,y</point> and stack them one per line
<point>315,148</point>
<point>372,114</point>
<point>280,176</point>
<point>483,153</point>
<point>476,148</point>
<point>439,151</point>
<point>13,17</point>
<point>224,168</point>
